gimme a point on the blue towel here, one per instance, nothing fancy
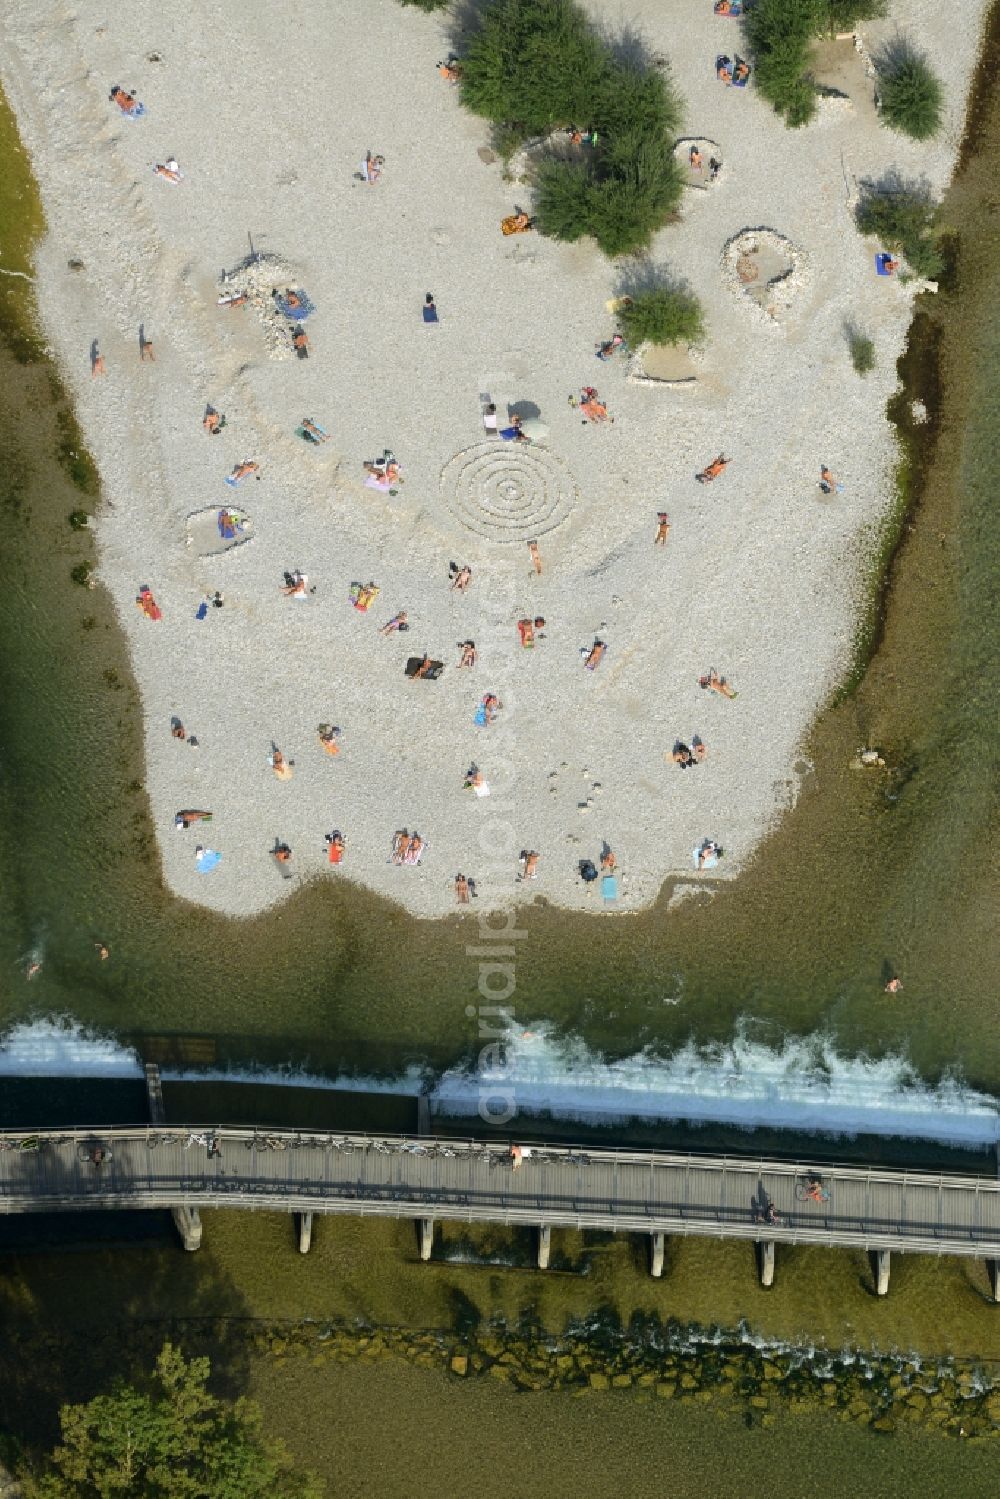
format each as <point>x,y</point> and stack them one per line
<point>201,610</point>
<point>480,717</point>
<point>430,314</point>
<point>609,887</point>
<point>881,264</point>
<point>206,861</point>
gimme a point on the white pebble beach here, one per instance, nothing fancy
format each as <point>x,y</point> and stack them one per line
<point>269,110</point>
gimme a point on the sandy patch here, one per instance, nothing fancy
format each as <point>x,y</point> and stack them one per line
<point>758,576</point>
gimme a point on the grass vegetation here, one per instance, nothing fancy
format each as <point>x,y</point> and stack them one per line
<point>903,216</point>
<point>780,34</point>
<point>663,315</point>
<point>912,97</point>
<point>535,66</point>
<point>862,351</point>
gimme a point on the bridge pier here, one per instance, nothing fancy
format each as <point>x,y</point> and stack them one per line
<point>544,1245</point>
<point>993,1271</point>
<point>188,1224</point>
<point>880,1268</point>
<point>765,1261</point>
<point>425,1232</point>
<point>656,1243</point>
<point>305,1231</point>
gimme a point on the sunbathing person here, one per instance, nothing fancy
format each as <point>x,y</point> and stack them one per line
<point>605,350</point>
<point>241,471</point>
<point>233,299</point>
<point>280,765</point>
<point>529,864</point>
<point>715,683</point>
<point>475,781</point>
<point>300,343</point>
<point>296,585</point>
<point>536,557</point>
<point>529,630</point>
<point>385,470</point>
<point>213,421</point>
<point>515,432</point>
<point>415,849</point>
<point>127,102</point>
<point>741,72</point>
<point>184,820</point>
<point>516,223</point>
<point>398,622</point>
<point>608,861</point>
<point>468,656</point>
<point>594,410</point>
<point>450,70</point>
<point>168,170</point>
<point>709,854</point>
<point>713,470</point>
<point>694,159</point>
<point>595,655</point>
<point>461,890</point>
<point>363,595</point>
<point>491,707</point>
<point>334,846</point>
<point>316,433</point>
<point>147,603</point>
<point>828,483</point>
<point>662,529</point>
<point>461,577</point>
<point>724,69</point>
<point>329,738</point>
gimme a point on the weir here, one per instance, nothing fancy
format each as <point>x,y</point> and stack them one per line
<point>188,1168</point>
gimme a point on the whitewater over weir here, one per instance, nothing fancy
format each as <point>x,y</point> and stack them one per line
<point>804,1086</point>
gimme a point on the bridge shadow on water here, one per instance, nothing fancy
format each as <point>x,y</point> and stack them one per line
<point>87,1298</point>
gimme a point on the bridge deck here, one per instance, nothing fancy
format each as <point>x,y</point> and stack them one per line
<point>462,1180</point>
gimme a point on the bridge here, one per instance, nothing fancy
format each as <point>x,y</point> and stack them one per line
<point>186,1168</point>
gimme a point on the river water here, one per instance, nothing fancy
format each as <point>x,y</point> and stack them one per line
<point>872,872</point>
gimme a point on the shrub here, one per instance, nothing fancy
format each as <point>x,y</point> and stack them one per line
<point>427,4</point>
<point>534,64</point>
<point>903,217</point>
<point>663,315</point>
<point>911,98</point>
<point>862,351</point>
<point>79,520</point>
<point>842,15</point>
<point>81,573</point>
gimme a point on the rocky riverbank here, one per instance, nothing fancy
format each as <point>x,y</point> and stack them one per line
<point>688,1365</point>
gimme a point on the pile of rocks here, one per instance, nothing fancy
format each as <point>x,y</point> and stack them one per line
<point>257,278</point>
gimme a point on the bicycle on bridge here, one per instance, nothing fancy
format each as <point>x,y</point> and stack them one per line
<point>811,1189</point>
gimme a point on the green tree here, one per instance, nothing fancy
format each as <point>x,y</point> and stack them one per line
<point>912,97</point>
<point>663,315</point>
<point>172,1440</point>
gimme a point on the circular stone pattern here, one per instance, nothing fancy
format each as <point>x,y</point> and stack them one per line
<point>508,491</point>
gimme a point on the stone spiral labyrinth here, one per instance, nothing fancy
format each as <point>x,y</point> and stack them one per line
<point>508,491</point>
